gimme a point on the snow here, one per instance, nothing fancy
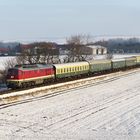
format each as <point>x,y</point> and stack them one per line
<point>4,60</point>
<point>107,110</point>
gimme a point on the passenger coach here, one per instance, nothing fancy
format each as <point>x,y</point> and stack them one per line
<point>71,69</point>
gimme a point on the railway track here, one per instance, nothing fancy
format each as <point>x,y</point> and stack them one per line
<point>51,91</point>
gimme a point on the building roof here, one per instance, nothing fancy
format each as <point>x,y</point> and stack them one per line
<point>3,49</point>
<point>95,46</point>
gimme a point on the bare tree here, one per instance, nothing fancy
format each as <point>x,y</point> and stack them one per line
<point>76,45</point>
<point>109,56</point>
<point>40,52</point>
<point>10,63</point>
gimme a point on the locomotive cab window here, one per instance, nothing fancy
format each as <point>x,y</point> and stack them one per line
<point>13,72</point>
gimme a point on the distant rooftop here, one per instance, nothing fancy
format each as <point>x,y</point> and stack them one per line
<point>95,46</point>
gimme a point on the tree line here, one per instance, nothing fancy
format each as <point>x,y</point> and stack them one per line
<point>48,52</point>
<point>120,45</point>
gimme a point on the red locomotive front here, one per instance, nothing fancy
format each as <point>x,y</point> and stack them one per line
<point>12,77</point>
<point>29,75</point>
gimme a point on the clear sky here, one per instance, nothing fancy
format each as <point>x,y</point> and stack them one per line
<point>38,19</point>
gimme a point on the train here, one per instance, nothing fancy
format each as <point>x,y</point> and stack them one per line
<point>27,75</point>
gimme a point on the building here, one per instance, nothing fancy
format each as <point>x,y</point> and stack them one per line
<point>42,47</point>
<point>94,50</point>
<point>4,51</point>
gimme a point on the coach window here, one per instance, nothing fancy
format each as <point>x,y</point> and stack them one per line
<point>61,70</point>
<point>73,69</point>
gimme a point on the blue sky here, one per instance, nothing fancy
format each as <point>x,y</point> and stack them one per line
<point>38,19</point>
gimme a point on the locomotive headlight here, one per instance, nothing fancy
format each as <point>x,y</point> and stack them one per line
<point>12,76</point>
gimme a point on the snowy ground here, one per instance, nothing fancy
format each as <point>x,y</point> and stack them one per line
<point>106,111</point>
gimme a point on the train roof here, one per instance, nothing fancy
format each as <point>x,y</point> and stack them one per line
<point>118,59</point>
<point>33,66</point>
<point>71,64</point>
<point>130,58</point>
<point>99,61</point>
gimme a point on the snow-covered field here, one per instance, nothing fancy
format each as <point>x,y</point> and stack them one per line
<point>106,111</point>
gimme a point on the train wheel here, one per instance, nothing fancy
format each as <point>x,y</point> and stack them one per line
<point>32,84</point>
<point>23,85</point>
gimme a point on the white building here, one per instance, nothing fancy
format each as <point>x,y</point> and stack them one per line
<point>95,50</point>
